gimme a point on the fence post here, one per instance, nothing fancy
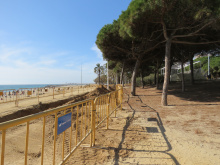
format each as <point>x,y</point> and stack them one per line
<point>108,97</point>
<point>53,92</point>
<point>54,140</point>
<point>114,102</point>
<point>121,95</point>
<point>16,101</point>
<point>92,139</point>
<point>3,147</point>
<point>38,95</point>
<point>91,136</point>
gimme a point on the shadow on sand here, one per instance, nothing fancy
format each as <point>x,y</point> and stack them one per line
<point>204,91</point>
<point>153,130</point>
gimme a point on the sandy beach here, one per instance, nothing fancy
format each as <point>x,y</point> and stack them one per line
<point>44,97</point>
<point>186,132</point>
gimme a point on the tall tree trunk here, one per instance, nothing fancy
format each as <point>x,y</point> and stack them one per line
<point>133,78</point>
<point>119,78</point>
<point>155,76</point>
<point>122,73</point>
<point>125,80</point>
<point>167,72</point>
<point>157,81</point>
<point>116,78</point>
<point>182,69</point>
<point>142,78</point>
<point>112,80</point>
<point>191,69</point>
<point>171,63</point>
<point>99,77</point>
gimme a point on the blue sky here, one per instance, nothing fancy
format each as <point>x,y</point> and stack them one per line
<point>47,41</point>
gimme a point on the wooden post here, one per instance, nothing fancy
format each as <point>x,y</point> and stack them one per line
<point>121,96</point>
<point>107,101</point>
<point>38,95</point>
<point>53,92</point>
<point>114,102</point>
<point>16,101</point>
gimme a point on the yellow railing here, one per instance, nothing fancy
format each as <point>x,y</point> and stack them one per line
<point>84,118</point>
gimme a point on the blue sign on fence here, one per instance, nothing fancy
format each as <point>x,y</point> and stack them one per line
<point>64,122</point>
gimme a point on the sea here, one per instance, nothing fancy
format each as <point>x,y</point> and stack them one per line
<point>19,86</point>
<point>16,87</point>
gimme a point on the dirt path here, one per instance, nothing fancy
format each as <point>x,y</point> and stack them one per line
<point>186,132</point>
<point>149,141</point>
<point>144,132</point>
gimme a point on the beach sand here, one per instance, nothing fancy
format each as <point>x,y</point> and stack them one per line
<point>186,132</point>
<point>45,97</point>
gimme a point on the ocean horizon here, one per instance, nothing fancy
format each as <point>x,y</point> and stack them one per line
<point>19,86</point>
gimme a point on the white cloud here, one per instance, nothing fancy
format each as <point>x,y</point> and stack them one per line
<point>7,53</point>
<point>99,55</point>
<point>35,75</point>
<point>69,65</point>
<point>22,64</point>
<point>46,61</point>
<point>97,50</point>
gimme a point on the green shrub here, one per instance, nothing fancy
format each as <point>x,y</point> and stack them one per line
<point>148,80</point>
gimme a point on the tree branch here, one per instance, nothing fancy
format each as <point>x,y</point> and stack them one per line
<point>194,33</point>
<point>194,43</point>
<point>152,48</point>
<point>164,30</point>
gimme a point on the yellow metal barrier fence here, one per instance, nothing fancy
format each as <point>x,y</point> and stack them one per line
<point>84,118</point>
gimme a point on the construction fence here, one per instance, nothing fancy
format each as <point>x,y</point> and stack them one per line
<point>52,136</point>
